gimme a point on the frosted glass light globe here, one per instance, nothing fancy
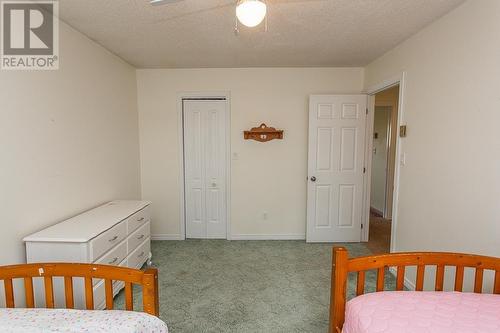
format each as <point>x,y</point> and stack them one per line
<point>251,12</point>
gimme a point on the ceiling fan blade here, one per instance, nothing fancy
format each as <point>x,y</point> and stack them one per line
<point>163,2</point>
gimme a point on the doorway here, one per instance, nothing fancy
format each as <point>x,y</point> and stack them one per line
<point>205,171</point>
<point>383,165</point>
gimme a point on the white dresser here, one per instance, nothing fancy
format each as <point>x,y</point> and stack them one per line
<point>116,233</point>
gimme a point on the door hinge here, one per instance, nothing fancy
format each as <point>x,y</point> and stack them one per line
<point>366,110</point>
<point>364,170</point>
<point>361,225</point>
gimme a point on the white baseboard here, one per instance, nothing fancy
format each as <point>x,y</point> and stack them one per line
<point>237,237</point>
<point>166,237</point>
<point>268,237</point>
<point>408,284</point>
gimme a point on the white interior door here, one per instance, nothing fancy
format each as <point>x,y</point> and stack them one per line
<point>337,126</point>
<point>205,168</point>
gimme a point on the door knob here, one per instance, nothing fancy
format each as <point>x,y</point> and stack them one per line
<point>313,179</point>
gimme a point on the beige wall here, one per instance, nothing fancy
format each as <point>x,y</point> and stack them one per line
<point>68,140</point>
<point>450,185</point>
<point>267,177</point>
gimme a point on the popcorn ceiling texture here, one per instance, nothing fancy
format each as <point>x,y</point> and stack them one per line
<point>302,33</point>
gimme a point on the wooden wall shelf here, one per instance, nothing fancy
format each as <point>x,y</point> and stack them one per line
<point>263,133</point>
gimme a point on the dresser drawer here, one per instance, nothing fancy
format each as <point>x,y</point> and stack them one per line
<point>138,219</point>
<point>99,295</point>
<point>114,257</point>
<point>105,241</point>
<point>139,255</point>
<point>138,237</point>
<point>118,285</point>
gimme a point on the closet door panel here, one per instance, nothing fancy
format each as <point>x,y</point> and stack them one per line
<point>215,158</point>
<point>194,170</point>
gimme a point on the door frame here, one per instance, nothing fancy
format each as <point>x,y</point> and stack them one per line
<point>180,115</point>
<point>371,91</point>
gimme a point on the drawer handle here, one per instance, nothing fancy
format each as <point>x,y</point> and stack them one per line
<point>142,254</point>
<point>113,239</point>
<point>113,261</point>
<point>141,219</point>
<point>141,236</point>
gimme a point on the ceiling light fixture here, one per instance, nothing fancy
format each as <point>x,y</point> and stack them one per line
<point>251,12</point>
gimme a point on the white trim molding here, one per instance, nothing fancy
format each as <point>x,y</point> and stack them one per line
<point>166,237</point>
<point>383,85</point>
<point>268,237</point>
<point>407,282</point>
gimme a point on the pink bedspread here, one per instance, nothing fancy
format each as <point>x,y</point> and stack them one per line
<point>423,312</point>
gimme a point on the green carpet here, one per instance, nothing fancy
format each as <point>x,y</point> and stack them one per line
<point>246,286</point>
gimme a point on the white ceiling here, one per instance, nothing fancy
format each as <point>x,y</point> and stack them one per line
<point>301,33</point>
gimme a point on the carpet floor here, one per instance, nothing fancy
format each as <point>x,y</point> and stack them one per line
<point>246,286</point>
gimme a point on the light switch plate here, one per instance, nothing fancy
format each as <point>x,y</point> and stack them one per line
<point>402,131</point>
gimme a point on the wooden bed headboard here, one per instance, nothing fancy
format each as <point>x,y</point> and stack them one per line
<point>148,279</point>
<point>342,266</point>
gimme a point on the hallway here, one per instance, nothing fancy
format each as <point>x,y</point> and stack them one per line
<point>380,234</point>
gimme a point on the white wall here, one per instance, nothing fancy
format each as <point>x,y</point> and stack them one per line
<point>68,140</point>
<point>379,157</point>
<point>450,185</point>
<point>268,177</point>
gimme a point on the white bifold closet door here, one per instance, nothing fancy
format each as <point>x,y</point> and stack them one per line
<point>204,124</point>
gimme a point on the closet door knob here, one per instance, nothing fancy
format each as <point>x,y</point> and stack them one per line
<point>313,179</point>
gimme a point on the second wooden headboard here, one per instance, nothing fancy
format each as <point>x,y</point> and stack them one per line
<point>342,266</point>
